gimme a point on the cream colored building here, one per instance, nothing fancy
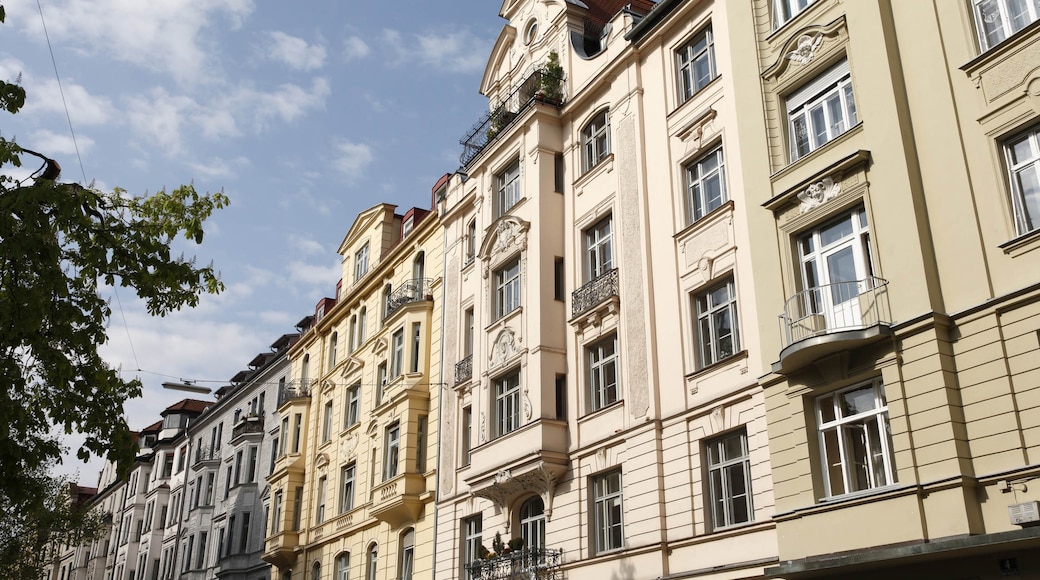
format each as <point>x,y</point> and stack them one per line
<point>353,487</point>
<point>599,309</point>
<point>890,160</point>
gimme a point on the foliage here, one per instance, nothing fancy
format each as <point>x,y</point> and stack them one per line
<point>58,519</point>
<point>552,78</point>
<point>58,244</point>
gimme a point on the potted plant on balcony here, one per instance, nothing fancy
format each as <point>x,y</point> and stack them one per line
<point>551,77</point>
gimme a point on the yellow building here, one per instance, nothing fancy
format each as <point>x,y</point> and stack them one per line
<point>890,154</point>
<point>353,486</point>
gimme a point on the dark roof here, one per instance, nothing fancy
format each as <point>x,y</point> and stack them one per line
<point>153,428</point>
<point>601,11</point>
<point>187,406</point>
<point>285,341</point>
<point>262,359</point>
<point>242,376</point>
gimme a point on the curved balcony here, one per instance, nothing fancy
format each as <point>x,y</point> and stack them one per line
<point>415,290</point>
<point>520,564</point>
<point>300,389</point>
<point>831,318</point>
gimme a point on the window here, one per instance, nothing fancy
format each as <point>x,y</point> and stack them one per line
<point>380,382</point>
<point>836,269</point>
<point>1023,159</point>
<point>244,536</point>
<point>254,454</point>
<point>508,187</point>
<point>397,353</point>
<point>784,10</point>
<point>353,344</point>
<point>467,339</point>
<point>561,396</point>
<point>416,344</point>
<point>388,290</point>
<point>599,248</point>
<point>696,64</point>
<point>507,289</point>
<point>705,185</point>
<point>855,439</point>
<point>421,426</point>
<point>346,496</point>
<point>532,523</point>
<point>319,513</point>
<point>343,567</point>
<point>333,340</point>
<point>208,496</point>
<point>467,434</point>
<point>238,468</point>
<point>507,403</point>
<point>353,406</point>
<point>373,562</point>
<point>407,551</point>
<point>729,480</point>
<point>603,387</point>
<point>361,262</point>
<point>326,432</point>
<point>997,20</point>
<point>595,140</point>
<point>201,559</point>
<point>821,110</point>
<point>391,451</point>
<point>716,323</point>
<point>471,241</point>
<point>297,426</point>
<point>559,280</point>
<point>606,512</point>
<point>297,507</point>
<point>419,269</point>
<point>305,371</point>
<point>283,435</point>
<point>472,528</point>
<point>362,321</point>
<point>316,571</point>
<point>276,525</point>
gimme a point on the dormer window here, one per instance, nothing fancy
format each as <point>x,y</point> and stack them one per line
<point>407,225</point>
<point>361,262</point>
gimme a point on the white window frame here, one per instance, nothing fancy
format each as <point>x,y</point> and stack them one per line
<point>326,433</point>
<point>712,306</point>
<point>507,288</point>
<point>343,566</point>
<point>406,565</point>
<point>705,184</point>
<point>603,373</point>
<point>472,530</point>
<point>599,248</point>
<point>785,10</point>
<point>532,523</point>
<point>507,403</point>
<point>391,451</point>
<point>348,481</point>
<point>607,512</point>
<point>1006,23</point>
<point>353,414</point>
<point>397,353</point>
<point>838,447</point>
<point>729,480</point>
<point>1022,155</point>
<point>821,110</point>
<point>695,56</point>
<point>507,188</point>
<point>361,262</point>
<point>319,512</point>
<point>595,140</point>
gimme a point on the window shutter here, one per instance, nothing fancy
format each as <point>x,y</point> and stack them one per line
<point>817,85</point>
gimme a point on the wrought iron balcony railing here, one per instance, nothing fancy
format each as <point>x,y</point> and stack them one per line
<point>299,389</point>
<point>414,290</point>
<point>833,308</point>
<point>249,424</point>
<point>464,370</point>
<point>521,564</point>
<point>541,86</point>
<point>595,292</point>
<point>207,453</point>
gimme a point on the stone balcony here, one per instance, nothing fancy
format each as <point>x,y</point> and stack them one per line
<point>397,500</point>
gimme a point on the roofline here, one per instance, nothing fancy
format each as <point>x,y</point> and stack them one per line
<point>648,22</point>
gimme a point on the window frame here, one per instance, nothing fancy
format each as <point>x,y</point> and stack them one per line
<point>343,566</point>
<point>720,466</point>
<point>361,262</point>
<point>599,364</point>
<point>507,288</point>
<point>397,353</point>
<point>607,512</point>
<point>698,176</point>
<point>507,403</point>
<point>595,140</point>
<point>532,523</point>
<point>507,188</point>
<point>793,10</point>
<point>884,437</point>
<point>706,312</point>
<point>472,538</point>
<point>348,485</point>
<point>1020,205</point>
<point>599,248</point>
<point>816,95</point>
<point>391,451</point>
<point>353,411</point>
<point>1007,25</point>
<point>686,61</point>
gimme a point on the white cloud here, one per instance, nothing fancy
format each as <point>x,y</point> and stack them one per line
<point>306,246</point>
<point>323,276</point>
<point>293,51</point>
<point>352,158</point>
<point>43,96</point>
<point>218,167</point>
<point>453,52</point>
<point>354,48</point>
<point>54,144</point>
<point>159,117</point>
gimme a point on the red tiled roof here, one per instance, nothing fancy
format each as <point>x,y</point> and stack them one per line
<point>189,405</point>
<point>153,428</point>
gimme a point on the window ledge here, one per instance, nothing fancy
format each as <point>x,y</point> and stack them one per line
<point>999,52</point>
<point>602,410</point>
<point>696,96</point>
<point>706,221</point>
<point>1024,243</point>
<point>605,165</point>
<point>505,318</point>
<point>733,358</point>
<point>793,166</point>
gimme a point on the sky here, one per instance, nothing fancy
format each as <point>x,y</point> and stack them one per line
<point>303,113</point>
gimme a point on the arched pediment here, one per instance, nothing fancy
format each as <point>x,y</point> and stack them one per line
<point>803,47</point>
<point>507,234</point>
<point>498,59</point>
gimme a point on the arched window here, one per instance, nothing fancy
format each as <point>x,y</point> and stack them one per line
<point>316,571</point>
<point>532,523</point>
<point>373,561</point>
<point>595,140</point>
<point>407,551</point>
<point>343,566</point>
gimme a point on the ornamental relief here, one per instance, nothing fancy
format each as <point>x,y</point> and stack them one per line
<point>504,348</point>
<point>804,47</point>
<point>806,50</point>
<point>818,193</point>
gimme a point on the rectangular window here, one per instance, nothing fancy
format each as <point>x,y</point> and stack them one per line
<point>353,344</point>
<point>729,480</point>
<point>244,535</point>
<point>284,435</point>
<point>559,280</point>
<point>472,529</point>
<point>696,64</point>
<point>297,427</point>
<point>784,10</point>
<point>353,406</point>
<point>276,524</point>
<point>467,428</point>
<point>471,241</point>
<point>380,382</point>
<point>297,508</point>
<point>855,439</point>
<point>821,110</point>
<point>1023,160</point>
<point>274,454</point>
<point>416,345</point>
<point>603,387</point>
<point>607,512</point>
<point>346,497</point>
<point>467,324</point>
<point>326,432</point>
<point>420,443</point>
<point>997,20</point>
<point>508,188</point>
<point>201,560</point>
<point>361,262</point>
<point>333,343</point>
<point>254,454</point>
<point>599,249</point>
<point>595,140</point>
<point>705,185</point>
<point>397,353</point>
<point>507,403</point>
<point>507,289</point>
<point>561,397</point>
<point>208,496</point>
<point>716,323</point>
<point>238,468</point>
<point>319,512</point>
<point>391,451</point>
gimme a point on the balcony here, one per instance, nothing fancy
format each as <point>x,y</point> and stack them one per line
<point>464,370</point>
<point>832,318</point>
<point>541,86</point>
<point>300,389</point>
<point>248,425</point>
<point>594,293</point>
<point>205,454</point>
<point>521,564</point>
<point>396,501</point>
<point>280,549</point>
<point>416,290</point>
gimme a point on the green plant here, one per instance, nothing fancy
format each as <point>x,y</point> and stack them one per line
<point>516,543</point>
<point>551,78</point>
<point>497,544</point>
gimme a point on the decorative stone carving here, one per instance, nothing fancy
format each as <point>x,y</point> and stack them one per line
<point>818,193</point>
<point>506,235</point>
<point>504,347</point>
<point>349,445</point>
<point>806,49</point>
<point>527,405</point>
<point>483,427</point>
<point>540,479</point>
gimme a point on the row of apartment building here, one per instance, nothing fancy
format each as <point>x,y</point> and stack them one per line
<point>720,290</point>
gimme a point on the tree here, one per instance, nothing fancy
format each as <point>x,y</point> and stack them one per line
<point>59,243</point>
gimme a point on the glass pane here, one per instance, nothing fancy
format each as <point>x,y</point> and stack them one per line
<point>707,342</point>
<point>850,105</point>
<point>826,408</point>
<point>733,447</point>
<point>1018,14</point>
<point>800,136</point>
<point>837,231</point>
<point>713,192</point>
<point>719,295</point>
<point>836,114</point>
<point>819,125</point>
<point>718,502</point>
<point>1028,185</point>
<point>841,273</point>
<point>857,401</point>
<point>1021,151</point>
<point>877,455</point>
<point>835,473</point>
<point>702,71</point>
<point>990,21</point>
<point>724,333</point>
<point>714,451</point>
<point>855,441</point>
<point>735,477</point>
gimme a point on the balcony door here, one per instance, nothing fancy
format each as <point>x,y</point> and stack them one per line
<point>836,269</point>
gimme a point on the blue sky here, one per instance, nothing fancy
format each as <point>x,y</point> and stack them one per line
<point>303,113</point>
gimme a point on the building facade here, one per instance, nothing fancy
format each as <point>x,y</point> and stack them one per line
<point>352,493</point>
